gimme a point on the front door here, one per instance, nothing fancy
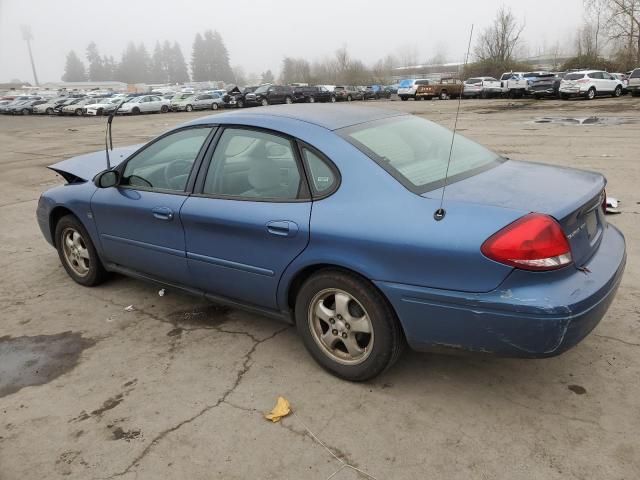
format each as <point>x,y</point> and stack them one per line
<point>250,219</point>
<point>139,221</point>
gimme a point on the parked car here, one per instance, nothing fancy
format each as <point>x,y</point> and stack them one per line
<point>379,91</point>
<point>16,100</point>
<point>589,84</point>
<point>103,107</point>
<point>204,101</point>
<point>49,105</point>
<point>444,89</point>
<point>514,84</point>
<point>145,104</point>
<point>312,95</point>
<point>408,89</point>
<point>634,82</point>
<point>70,101</point>
<point>26,107</point>
<point>542,84</point>
<point>533,268</point>
<point>235,97</point>
<point>347,93</point>
<point>624,78</point>
<point>78,106</point>
<point>482,87</point>
<point>269,95</point>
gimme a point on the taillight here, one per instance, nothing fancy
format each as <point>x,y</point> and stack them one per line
<point>533,242</point>
<point>604,201</point>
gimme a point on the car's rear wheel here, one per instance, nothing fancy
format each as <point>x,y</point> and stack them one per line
<point>135,110</point>
<point>347,325</point>
<point>78,112</point>
<point>164,109</point>
<point>100,111</point>
<point>288,100</point>
<point>214,106</point>
<point>618,91</point>
<point>591,94</point>
<point>333,99</point>
<point>264,102</point>
<point>311,99</point>
<point>49,111</point>
<point>444,96</point>
<point>77,253</point>
<point>26,111</point>
<point>240,104</point>
<point>349,98</point>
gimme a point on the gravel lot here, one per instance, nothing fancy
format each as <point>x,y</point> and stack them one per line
<point>177,388</point>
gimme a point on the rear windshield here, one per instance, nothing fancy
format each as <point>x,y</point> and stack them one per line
<point>474,80</point>
<point>574,76</point>
<point>406,83</point>
<point>416,151</point>
<point>635,73</point>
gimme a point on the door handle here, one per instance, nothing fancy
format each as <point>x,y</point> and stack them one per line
<point>282,228</point>
<point>163,213</point>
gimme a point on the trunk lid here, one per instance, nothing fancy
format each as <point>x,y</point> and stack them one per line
<point>572,197</point>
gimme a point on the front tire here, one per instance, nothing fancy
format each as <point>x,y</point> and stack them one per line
<point>77,253</point>
<point>214,106</point>
<point>288,100</point>
<point>78,112</point>
<point>264,102</point>
<point>311,99</point>
<point>591,94</point>
<point>347,325</point>
<point>617,92</point>
<point>189,108</point>
<point>164,109</point>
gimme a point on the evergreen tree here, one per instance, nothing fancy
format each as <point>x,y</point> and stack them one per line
<point>110,67</point>
<point>267,77</point>
<point>177,66</point>
<point>144,64</point>
<point>96,64</point>
<point>198,60</point>
<point>159,71</point>
<point>134,66</point>
<point>220,69</point>
<point>74,70</point>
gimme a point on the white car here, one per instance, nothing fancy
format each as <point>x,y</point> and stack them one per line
<point>48,108</point>
<point>145,104</point>
<point>634,82</point>
<point>482,87</point>
<point>589,84</point>
<point>103,107</point>
<point>78,107</point>
<point>408,89</point>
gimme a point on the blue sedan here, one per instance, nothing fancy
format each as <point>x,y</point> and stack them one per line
<point>323,216</point>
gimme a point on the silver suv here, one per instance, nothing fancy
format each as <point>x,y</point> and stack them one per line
<point>634,83</point>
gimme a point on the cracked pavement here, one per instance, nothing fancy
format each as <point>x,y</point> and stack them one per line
<point>177,388</point>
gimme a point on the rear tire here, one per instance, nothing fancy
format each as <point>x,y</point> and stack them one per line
<point>288,100</point>
<point>78,112</point>
<point>264,102</point>
<point>347,325</point>
<point>49,111</point>
<point>240,103</point>
<point>403,98</point>
<point>77,253</point>
<point>444,96</point>
<point>311,99</point>
<point>591,94</point>
<point>349,98</point>
<point>135,111</point>
<point>164,109</point>
<point>214,106</point>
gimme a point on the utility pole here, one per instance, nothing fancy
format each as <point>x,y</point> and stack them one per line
<point>28,36</point>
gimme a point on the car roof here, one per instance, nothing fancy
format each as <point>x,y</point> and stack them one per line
<point>329,116</point>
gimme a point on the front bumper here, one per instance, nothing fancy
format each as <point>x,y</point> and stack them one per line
<point>531,314</point>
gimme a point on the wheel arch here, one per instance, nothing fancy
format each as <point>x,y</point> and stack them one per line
<point>54,217</point>
<point>292,286</point>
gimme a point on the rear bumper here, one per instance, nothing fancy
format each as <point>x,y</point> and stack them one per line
<point>532,315</point>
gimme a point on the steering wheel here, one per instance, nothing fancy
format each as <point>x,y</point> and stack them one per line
<point>176,173</point>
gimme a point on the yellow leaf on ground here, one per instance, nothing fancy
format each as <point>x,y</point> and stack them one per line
<point>282,409</point>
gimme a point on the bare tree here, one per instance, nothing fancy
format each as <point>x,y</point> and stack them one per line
<point>499,41</point>
<point>621,21</point>
<point>587,41</point>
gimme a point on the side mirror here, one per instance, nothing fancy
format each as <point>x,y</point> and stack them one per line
<point>107,179</point>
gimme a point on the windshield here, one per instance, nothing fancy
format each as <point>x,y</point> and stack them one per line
<point>574,76</point>
<point>262,89</point>
<point>416,151</point>
<point>406,83</point>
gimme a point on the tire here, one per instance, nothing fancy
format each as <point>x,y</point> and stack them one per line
<point>99,112</point>
<point>188,108</point>
<point>443,95</point>
<point>635,93</point>
<point>591,94</point>
<point>404,99</point>
<point>617,92</point>
<point>417,99</point>
<point>135,111</point>
<point>240,103</point>
<point>214,106</point>
<point>349,98</point>
<point>564,96</point>
<point>311,99</point>
<point>85,271</point>
<point>264,102</point>
<point>164,109</point>
<point>372,353</point>
<point>25,111</point>
<point>78,112</point>
<point>288,100</point>
<point>333,99</point>
<point>49,111</point>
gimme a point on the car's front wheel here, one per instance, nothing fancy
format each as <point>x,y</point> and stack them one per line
<point>618,91</point>
<point>591,94</point>
<point>77,253</point>
<point>214,106</point>
<point>347,325</point>
<point>188,108</point>
<point>164,109</point>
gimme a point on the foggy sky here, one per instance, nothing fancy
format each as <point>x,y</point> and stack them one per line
<point>259,33</point>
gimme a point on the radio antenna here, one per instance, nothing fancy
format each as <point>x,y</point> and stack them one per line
<point>440,213</point>
<point>108,140</point>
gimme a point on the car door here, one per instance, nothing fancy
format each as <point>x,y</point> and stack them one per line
<point>139,220</point>
<point>248,218</point>
<point>610,81</point>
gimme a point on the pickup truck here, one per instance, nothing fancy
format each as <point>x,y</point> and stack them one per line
<point>514,84</point>
<point>444,89</point>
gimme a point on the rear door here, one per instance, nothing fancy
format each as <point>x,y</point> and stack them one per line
<point>248,218</point>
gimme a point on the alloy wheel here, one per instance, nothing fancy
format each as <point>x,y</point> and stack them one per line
<point>340,326</point>
<point>75,251</point>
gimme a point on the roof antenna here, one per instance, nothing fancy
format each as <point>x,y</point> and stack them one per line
<point>108,141</point>
<point>440,213</point>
